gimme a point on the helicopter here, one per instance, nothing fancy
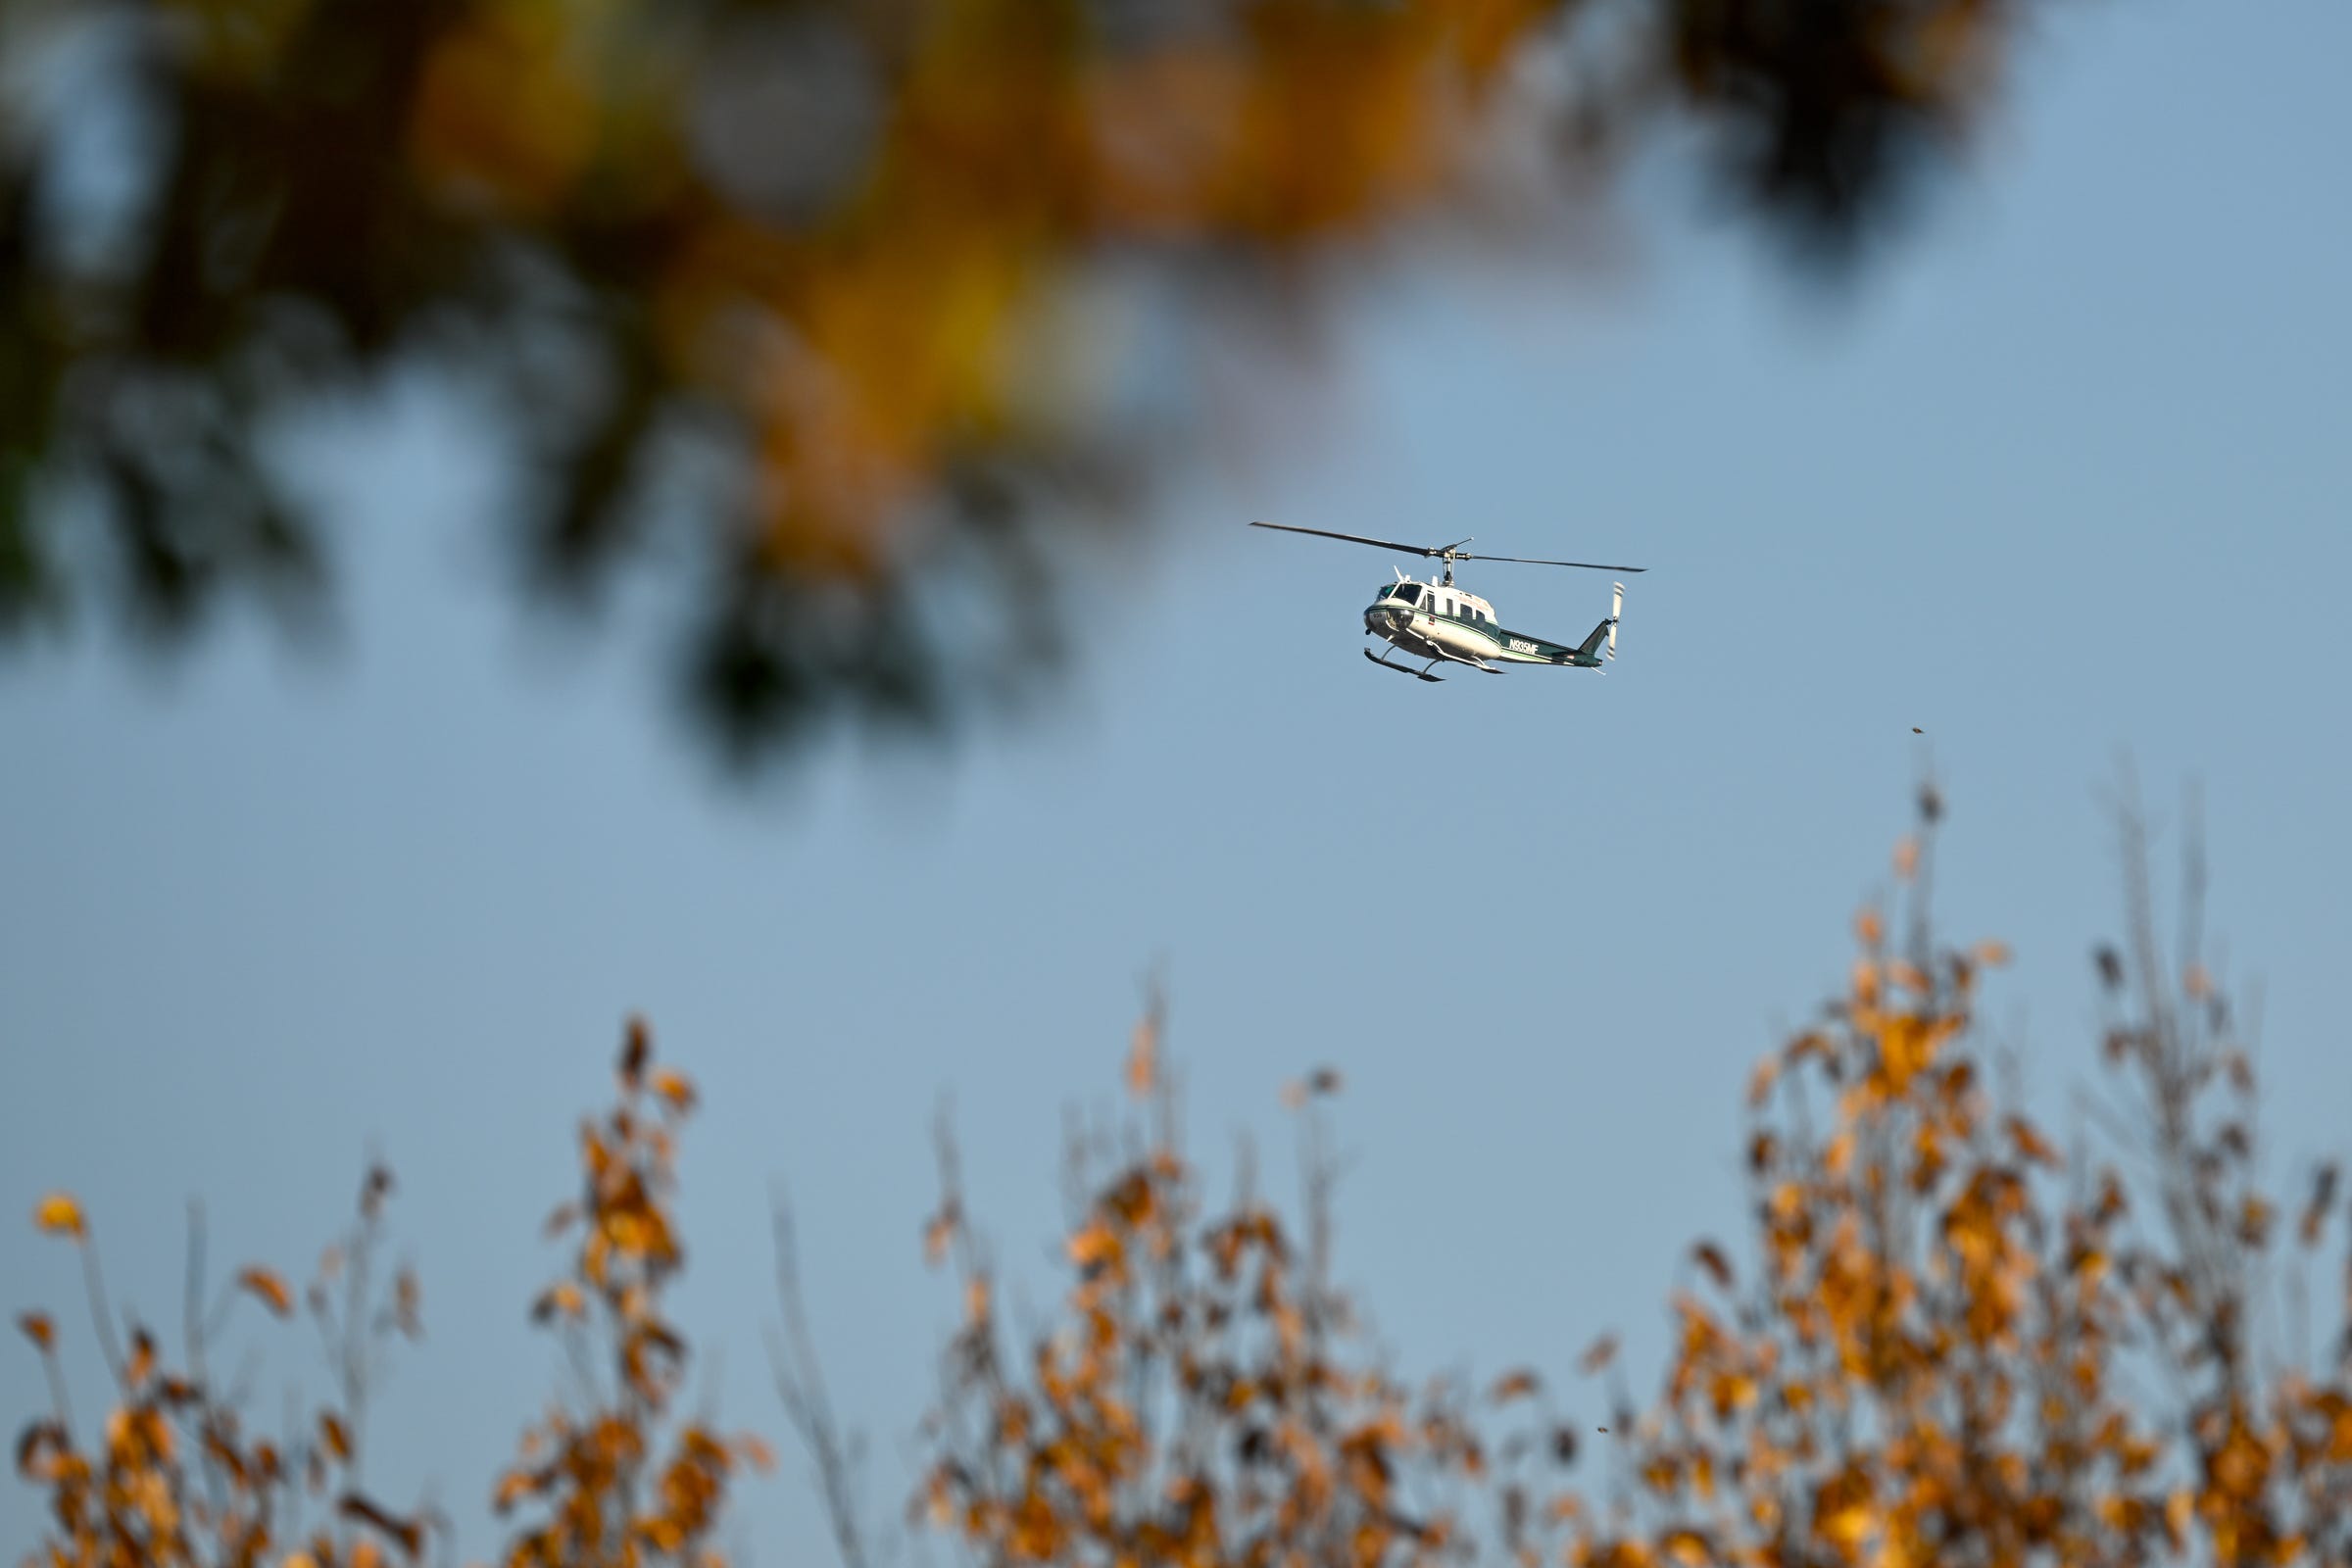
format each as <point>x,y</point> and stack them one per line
<point>1444,625</point>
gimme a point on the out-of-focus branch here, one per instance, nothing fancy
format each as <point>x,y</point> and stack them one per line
<point>801,1385</point>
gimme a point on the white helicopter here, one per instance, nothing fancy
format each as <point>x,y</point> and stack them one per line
<point>1448,626</point>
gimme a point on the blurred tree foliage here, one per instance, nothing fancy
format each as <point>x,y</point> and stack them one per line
<point>850,310</point>
<point>1944,1341</point>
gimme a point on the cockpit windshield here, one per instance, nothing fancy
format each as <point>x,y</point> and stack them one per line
<point>1409,591</point>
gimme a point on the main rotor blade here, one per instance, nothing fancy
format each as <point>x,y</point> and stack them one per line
<point>1440,549</point>
<point>1352,538</point>
<point>1529,560</point>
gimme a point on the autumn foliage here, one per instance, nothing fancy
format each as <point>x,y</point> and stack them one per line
<point>833,299</point>
<point>176,1473</point>
<point>1945,1339</point>
<point>593,1470</point>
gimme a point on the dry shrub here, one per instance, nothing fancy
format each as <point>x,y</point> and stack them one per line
<point>1947,1341</point>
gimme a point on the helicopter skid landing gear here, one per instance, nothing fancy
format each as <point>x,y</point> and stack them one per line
<point>1418,675</point>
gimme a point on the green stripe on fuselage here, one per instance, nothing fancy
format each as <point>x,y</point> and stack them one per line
<point>1529,650</point>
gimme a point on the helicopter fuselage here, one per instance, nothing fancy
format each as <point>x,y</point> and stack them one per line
<point>1439,621</point>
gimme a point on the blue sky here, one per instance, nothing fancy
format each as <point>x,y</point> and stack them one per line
<point>2069,480</point>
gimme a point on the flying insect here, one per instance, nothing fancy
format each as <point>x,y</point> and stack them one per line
<point>1445,624</point>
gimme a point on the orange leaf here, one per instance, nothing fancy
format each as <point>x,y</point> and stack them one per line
<point>1687,1547</point>
<point>1710,1258</point>
<point>58,1215</point>
<point>36,1329</point>
<point>1512,1386</point>
<point>1143,1059</point>
<point>407,1533</point>
<point>42,1451</point>
<point>330,1429</point>
<point>675,1089</point>
<point>561,1297</point>
<point>938,1234</point>
<point>270,1289</point>
<point>408,1303</point>
<point>2031,1144</point>
<point>636,1047</point>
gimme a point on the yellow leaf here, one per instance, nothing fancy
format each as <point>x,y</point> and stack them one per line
<point>270,1289</point>
<point>58,1215</point>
